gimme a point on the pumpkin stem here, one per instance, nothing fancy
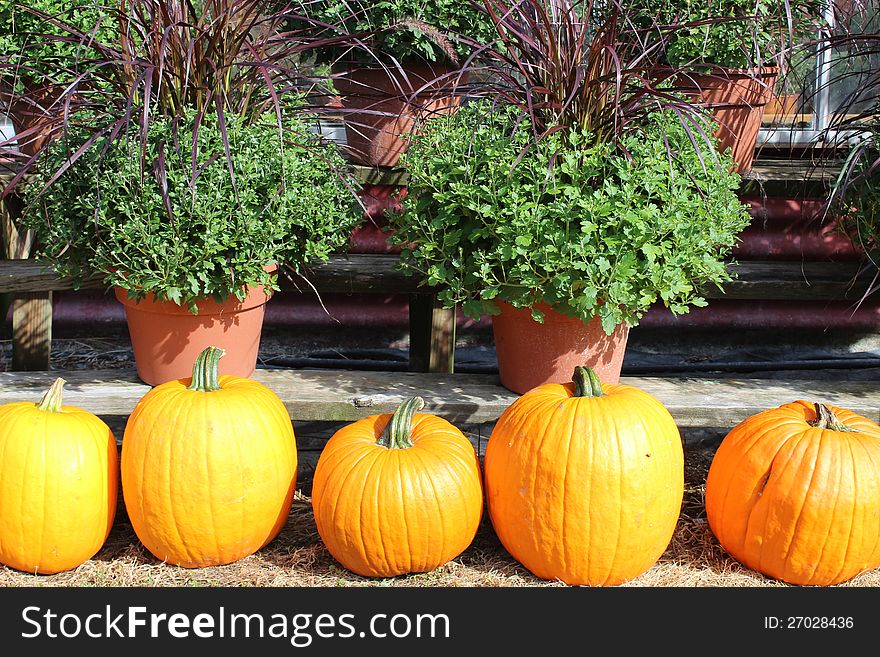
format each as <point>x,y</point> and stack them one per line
<point>826,419</point>
<point>51,401</point>
<point>206,371</point>
<point>398,431</point>
<point>586,383</point>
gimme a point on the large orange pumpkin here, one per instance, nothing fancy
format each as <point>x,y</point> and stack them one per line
<point>208,467</point>
<point>584,481</point>
<point>397,494</point>
<point>794,493</point>
<point>59,477</point>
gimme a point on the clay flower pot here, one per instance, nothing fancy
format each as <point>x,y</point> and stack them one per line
<point>378,108</point>
<point>737,99</point>
<point>167,338</point>
<point>531,354</point>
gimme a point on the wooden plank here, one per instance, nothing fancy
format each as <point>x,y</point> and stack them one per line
<point>357,272</point>
<point>392,176</point>
<point>420,323</point>
<point>797,281</point>
<point>339,395</point>
<point>34,276</point>
<point>795,178</point>
<point>442,348</point>
<point>31,311</point>
<point>32,331</point>
<point>377,273</point>
<point>345,273</point>
<point>431,335</point>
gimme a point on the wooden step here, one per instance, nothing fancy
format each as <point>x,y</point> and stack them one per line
<point>465,399</point>
<point>378,273</point>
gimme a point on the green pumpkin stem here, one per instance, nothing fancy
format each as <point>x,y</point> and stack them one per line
<point>398,432</point>
<point>826,419</point>
<point>206,371</point>
<point>586,383</point>
<point>51,401</point>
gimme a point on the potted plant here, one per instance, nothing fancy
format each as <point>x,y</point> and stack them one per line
<point>395,64</point>
<point>568,201</point>
<point>28,86</point>
<point>186,177</point>
<point>730,54</point>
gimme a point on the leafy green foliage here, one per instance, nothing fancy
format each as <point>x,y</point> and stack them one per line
<point>577,66</point>
<point>163,58</point>
<point>595,232</point>
<point>22,32</point>
<point>729,33</point>
<point>407,29</point>
<point>106,216</point>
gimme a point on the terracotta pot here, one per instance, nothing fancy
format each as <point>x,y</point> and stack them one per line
<point>737,99</point>
<point>167,338</point>
<point>530,354</point>
<point>374,137</point>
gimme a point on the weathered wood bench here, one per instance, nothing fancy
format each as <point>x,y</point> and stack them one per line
<point>466,399</point>
<point>432,328</point>
<point>321,401</point>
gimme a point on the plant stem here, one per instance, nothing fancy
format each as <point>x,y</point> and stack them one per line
<point>586,383</point>
<point>398,432</point>
<point>206,370</point>
<point>51,401</point>
<point>826,419</point>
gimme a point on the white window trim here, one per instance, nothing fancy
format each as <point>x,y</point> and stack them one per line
<point>816,134</point>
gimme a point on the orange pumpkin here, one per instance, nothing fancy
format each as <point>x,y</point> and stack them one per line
<point>584,481</point>
<point>794,493</point>
<point>208,467</point>
<point>397,494</point>
<point>59,477</point>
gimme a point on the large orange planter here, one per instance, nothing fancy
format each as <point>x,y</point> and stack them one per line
<point>378,108</point>
<point>167,338</point>
<point>737,99</point>
<point>532,354</point>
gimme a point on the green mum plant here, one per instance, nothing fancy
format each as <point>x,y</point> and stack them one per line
<point>570,177</point>
<point>183,239</point>
<point>589,228</point>
<point>183,160</point>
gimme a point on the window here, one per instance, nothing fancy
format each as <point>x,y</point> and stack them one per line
<point>822,79</point>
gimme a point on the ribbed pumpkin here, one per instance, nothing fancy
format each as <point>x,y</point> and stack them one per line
<point>208,467</point>
<point>397,494</point>
<point>794,493</point>
<point>59,476</point>
<point>584,481</point>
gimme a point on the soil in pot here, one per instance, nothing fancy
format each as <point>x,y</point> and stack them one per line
<point>167,338</point>
<point>380,105</point>
<point>531,354</point>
